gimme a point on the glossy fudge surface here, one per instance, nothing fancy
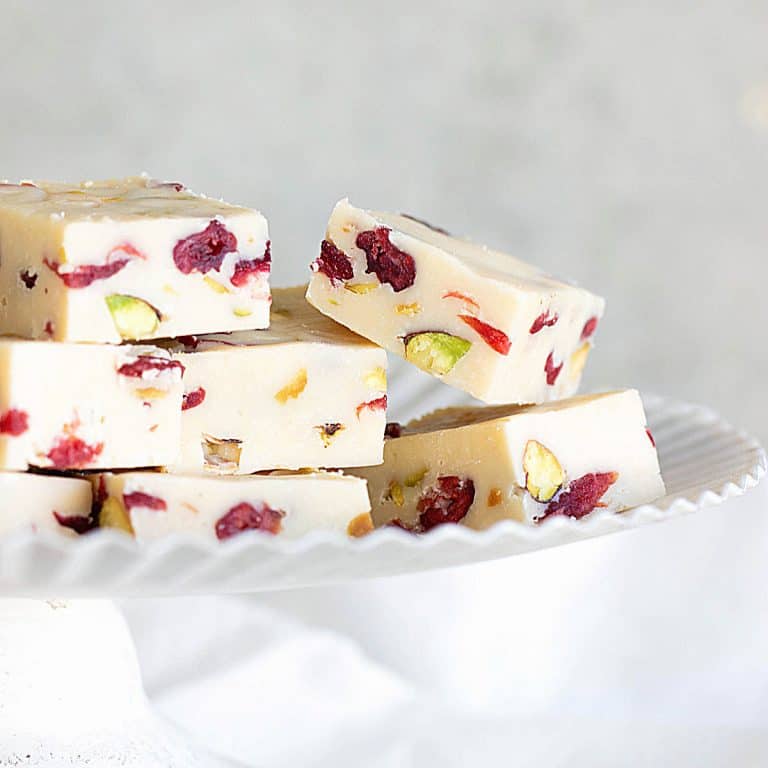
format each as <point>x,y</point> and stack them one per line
<point>305,393</point>
<point>481,320</point>
<point>128,259</point>
<point>44,502</point>
<point>476,466</point>
<point>87,406</point>
<point>150,505</point>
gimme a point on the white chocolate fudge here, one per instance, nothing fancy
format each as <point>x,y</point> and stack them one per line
<point>481,320</point>
<point>305,393</point>
<point>44,502</point>
<point>128,259</point>
<point>150,505</point>
<point>476,466</point>
<point>87,406</point>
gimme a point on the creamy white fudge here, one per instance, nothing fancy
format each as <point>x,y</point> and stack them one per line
<point>481,320</point>
<point>44,503</point>
<point>150,505</point>
<point>87,406</point>
<point>305,393</point>
<point>128,259</point>
<point>476,466</point>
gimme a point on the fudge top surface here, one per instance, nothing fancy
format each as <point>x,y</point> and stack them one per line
<point>484,261</point>
<point>457,417</point>
<point>131,198</point>
<point>292,319</point>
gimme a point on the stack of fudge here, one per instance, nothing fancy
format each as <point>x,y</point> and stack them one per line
<point>150,381</point>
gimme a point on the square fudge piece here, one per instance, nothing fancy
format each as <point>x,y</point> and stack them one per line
<point>44,502</point>
<point>305,393</point>
<point>481,320</point>
<point>476,466</point>
<point>87,406</point>
<point>128,259</point>
<point>149,505</point>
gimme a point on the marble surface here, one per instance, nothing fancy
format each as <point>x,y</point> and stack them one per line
<point>622,144</point>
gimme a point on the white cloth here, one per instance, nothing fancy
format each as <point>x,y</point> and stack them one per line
<point>646,648</point>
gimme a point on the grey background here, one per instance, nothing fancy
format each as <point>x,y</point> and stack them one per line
<point>621,144</point>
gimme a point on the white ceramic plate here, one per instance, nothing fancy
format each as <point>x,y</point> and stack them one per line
<point>704,461</point>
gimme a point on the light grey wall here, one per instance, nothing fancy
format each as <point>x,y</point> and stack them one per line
<point>623,144</point>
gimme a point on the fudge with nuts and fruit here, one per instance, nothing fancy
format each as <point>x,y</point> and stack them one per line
<point>149,505</point>
<point>87,406</point>
<point>132,258</point>
<point>44,502</point>
<point>481,320</point>
<point>476,466</point>
<point>305,393</point>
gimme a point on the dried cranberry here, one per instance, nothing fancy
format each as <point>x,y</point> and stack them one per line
<point>204,250</point>
<point>379,404</point>
<point>333,263</point>
<point>192,399</point>
<point>49,328</point>
<point>393,429</point>
<point>650,437</point>
<point>145,363</point>
<point>139,499</point>
<point>84,275</point>
<point>71,452</point>
<point>14,422</point>
<point>552,370</point>
<point>581,496</point>
<point>448,501</point>
<point>28,278</point>
<point>78,523</point>
<point>589,328</point>
<point>244,517</point>
<point>493,337</point>
<point>463,297</point>
<point>190,342</point>
<point>390,264</point>
<point>247,268</point>
<point>544,320</point>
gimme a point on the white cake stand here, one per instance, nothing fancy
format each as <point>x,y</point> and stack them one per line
<point>70,690</point>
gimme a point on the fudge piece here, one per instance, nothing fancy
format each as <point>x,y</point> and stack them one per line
<point>476,466</point>
<point>149,505</point>
<point>87,406</point>
<point>128,259</point>
<point>44,502</point>
<point>481,320</point>
<point>305,393</point>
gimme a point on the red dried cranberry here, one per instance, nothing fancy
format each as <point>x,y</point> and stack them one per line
<point>497,340</point>
<point>333,263</point>
<point>139,499</point>
<point>28,278</point>
<point>192,399</point>
<point>247,268</point>
<point>78,523</point>
<point>390,264</point>
<point>14,422</point>
<point>581,496</point>
<point>589,328</point>
<point>463,297</point>
<point>84,275</point>
<point>650,437</point>
<point>544,320</point>
<point>145,363</point>
<point>244,517</point>
<point>448,501</point>
<point>190,342</point>
<point>71,452</point>
<point>393,429</point>
<point>552,370</point>
<point>379,404</point>
<point>204,250</point>
<point>49,328</point>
